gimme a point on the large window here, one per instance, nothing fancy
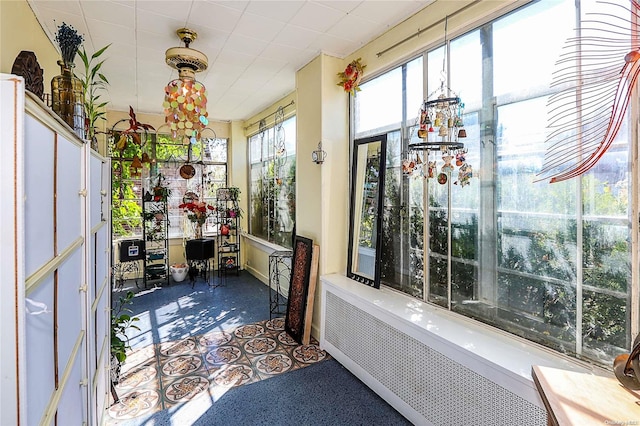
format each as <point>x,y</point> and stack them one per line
<point>209,159</point>
<point>548,262</point>
<point>272,159</point>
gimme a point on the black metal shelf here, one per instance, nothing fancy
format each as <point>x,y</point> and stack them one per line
<point>155,233</point>
<point>228,216</point>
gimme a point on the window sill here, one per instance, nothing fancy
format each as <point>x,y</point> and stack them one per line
<point>493,353</point>
<point>263,245</point>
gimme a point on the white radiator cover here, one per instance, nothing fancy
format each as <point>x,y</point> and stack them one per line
<point>429,380</point>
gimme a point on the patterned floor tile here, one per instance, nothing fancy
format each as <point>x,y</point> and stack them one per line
<point>215,338</point>
<point>271,364</point>
<point>184,346</point>
<point>135,403</point>
<point>185,388</point>
<point>233,375</point>
<point>181,365</point>
<point>226,354</point>
<point>141,376</point>
<point>171,373</point>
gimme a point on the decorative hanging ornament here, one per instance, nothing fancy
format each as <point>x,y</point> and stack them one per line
<point>447,167</point>
<point>432,169</point>
<point>442,110</point>
<point>351,76</point>
<point>185,100</point>
<point>464,175</point>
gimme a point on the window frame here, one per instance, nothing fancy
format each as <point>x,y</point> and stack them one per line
<point>277,157</point>
<point>631,297</point>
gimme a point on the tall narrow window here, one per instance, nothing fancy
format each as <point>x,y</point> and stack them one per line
<point>272,159</point>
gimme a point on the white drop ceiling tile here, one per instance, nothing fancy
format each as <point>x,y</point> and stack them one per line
<point>125,89</point>
<point>295,36</point>
<point>130,3</point>
<point>209,41</point>
<point>221,78</point>
<point>315,16</point>
<point>155,91</point>
<point>345,6</point>
<point>92,45</point>
<point>388,13</point>
<point>55,7</point>
<point>155,69</point>
<point>354,29</point>
<point>263,69</point>
<point>171,9</point>
<point>109,12</point>
<point>116,33</point>
<point>334,46</point>
<point>214,15</point>
<point>258,27</point>
<point>244,45</point>
<point>247,85</point>
<point>284,81</point>
<point>148,40</point>
<point>281,11</point>
<point>282,53</point>
<point>232,4</point>
<point>237,60</point>
<point>276,90</point>
<point>158,24</point>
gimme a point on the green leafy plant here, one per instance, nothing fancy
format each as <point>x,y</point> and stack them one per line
<point>121,321</point>
<point>161,191</point>
<point>93,82</point>
<point>234,193</point>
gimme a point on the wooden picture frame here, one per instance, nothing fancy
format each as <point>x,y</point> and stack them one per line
<point>295,318</point>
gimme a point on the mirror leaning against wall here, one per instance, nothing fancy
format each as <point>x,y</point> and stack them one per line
<point>367,182</point>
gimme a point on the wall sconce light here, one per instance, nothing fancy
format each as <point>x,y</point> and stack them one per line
<point>319,154</point>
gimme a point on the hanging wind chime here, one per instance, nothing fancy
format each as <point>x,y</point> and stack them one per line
<point>440,129</point>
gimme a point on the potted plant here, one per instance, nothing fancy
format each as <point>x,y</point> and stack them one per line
<point>121,321</point>
<point>93,81</point>
<point>160,191</point>
<point>234,193</point>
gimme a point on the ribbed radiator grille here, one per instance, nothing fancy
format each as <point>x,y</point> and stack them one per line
<point>441,390</point>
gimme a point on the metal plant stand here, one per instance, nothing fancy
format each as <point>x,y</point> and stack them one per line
<point>279,269</point>
<point>130,268</point>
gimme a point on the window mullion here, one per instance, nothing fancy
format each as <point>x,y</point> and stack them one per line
<point>487,217</point>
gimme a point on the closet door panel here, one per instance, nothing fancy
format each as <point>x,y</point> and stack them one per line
<point>70,307</point>
<point>39,327</point>
<point>70,412</point>
<point>69,208</point>
<point>96,186</point>
<point>38,187</point>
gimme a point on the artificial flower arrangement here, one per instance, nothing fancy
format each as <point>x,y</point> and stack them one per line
<point>197,212</point>
<point>68,41</point>
<point>351,76</point>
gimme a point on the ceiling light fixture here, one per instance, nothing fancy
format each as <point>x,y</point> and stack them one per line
<point>185,100</point>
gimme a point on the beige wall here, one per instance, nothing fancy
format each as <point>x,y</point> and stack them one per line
<point>19,30</point>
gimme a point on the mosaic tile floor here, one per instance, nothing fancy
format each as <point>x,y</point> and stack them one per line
<point>165,375</point>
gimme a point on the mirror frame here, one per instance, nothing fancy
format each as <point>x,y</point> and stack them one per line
<point>375,281</point>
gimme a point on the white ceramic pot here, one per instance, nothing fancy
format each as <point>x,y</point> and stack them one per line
<point>179,272</point>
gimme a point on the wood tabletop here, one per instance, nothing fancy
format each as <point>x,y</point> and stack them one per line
<point>586,398</point>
